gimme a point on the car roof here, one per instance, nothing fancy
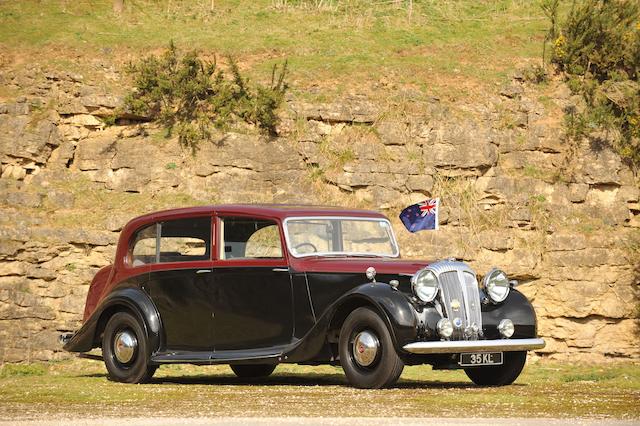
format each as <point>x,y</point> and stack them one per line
<point>280,211</point>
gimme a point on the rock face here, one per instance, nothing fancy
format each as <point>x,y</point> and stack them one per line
<point>565,222</point>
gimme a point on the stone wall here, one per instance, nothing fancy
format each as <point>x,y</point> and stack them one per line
<point>563,219</point>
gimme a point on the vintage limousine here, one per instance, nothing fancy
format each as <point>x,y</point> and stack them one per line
<point>253,286</point>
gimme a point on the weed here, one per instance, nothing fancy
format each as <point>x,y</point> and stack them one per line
<point>595,375</point>
<point>315,172</point>
<point>110,120</point>
<point>171,166</point>
<point>535,74</point>
<point>17,370</point>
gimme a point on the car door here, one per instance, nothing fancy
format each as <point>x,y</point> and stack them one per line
<point>180,283</point>
<point>252,304</point>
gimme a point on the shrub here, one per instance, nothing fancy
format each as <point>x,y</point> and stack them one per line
<point>598,49</point>
<point>190,96</point>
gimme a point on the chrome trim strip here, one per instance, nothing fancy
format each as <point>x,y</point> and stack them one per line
<point>342,253</point>
<point>458,346</point>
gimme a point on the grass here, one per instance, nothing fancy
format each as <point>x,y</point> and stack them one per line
<point>452,46</point>
<point>544,389</point>
<point>89,194</point>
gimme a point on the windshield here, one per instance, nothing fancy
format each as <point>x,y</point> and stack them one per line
<point>324,236</point>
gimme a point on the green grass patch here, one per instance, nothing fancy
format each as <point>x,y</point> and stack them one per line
<point>543,390</point>
<point>22,370</point>
<point>451,46</point>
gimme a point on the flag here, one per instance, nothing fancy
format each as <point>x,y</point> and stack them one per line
<point>423,215</point>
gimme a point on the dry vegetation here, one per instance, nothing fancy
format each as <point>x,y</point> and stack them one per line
<point>79,388</point>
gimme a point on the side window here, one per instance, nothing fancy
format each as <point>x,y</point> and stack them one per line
<point>246,238</point>
<point>143,246</point>
<point>185,240</point>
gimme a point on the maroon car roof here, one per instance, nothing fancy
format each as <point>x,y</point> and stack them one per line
<point>280,211</point>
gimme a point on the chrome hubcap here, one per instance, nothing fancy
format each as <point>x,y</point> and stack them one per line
<point>124,346</point>
<point>365,348</point>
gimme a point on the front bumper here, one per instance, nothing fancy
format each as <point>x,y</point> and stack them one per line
<point>459,346</point>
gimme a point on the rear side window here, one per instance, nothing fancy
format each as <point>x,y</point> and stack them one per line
<point>143,246</point>
<point>185,240</point>
<point>247,238</point>
<point>182,240</point>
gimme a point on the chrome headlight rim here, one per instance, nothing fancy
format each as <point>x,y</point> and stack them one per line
<point>425,286</point>
<point>496,285</point>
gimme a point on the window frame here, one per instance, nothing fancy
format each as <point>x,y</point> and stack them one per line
<point>394,240</point>
<point>158,224</point>
<point>249,261</point>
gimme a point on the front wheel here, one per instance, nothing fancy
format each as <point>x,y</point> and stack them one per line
<point>499,375</point>
<point>252,371</point>
<point>124,349</point>
<point>367,354</point>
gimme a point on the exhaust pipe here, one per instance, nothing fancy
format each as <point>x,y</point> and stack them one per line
<point>64,338</point>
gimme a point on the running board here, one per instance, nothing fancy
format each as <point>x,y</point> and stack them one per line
<point>220,357</point>
<point>94,357</point>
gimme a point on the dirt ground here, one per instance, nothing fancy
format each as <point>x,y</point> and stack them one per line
<point>320,421</point>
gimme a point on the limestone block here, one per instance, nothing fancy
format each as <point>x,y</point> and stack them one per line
<point>598,167</point>
<point>13,268</point>
<point>62,155</point>
<point>349,110</point>
<point>565,241</point>
<point>23,199</point>
<point>85,120</point>
<point>393,132</point>
<point>20,138</point>
<point>60,199</point>
<point>95,153</point>
<point>619,338</point>
<point>577,192</point>
<point>482,155</point>
<point>421,183</point>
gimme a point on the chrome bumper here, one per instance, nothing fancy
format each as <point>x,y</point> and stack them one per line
<point>458,346</point>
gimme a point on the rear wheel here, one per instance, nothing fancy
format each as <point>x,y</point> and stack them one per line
<point>251,371</point>
<point>499,375</point>
<point>367,354</point>
<point>125,350</point>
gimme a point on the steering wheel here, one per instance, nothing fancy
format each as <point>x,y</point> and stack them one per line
<point>314,248</point>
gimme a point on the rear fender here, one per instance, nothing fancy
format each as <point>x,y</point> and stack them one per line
<point>129,299</point>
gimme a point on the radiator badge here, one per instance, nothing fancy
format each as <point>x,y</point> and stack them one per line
<point>455,304</point>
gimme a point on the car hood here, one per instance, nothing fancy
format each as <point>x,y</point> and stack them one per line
<point>359,264</point>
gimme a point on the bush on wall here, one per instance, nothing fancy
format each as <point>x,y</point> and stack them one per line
<point>598,48</point>
<point>190,96</point>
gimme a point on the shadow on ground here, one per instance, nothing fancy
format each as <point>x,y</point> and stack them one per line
<point>291,380</point>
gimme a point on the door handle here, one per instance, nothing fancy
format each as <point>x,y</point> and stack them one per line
<point>203,271</point>
<point>280,269</point>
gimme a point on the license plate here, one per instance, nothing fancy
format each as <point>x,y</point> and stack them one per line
<point>482,358</point>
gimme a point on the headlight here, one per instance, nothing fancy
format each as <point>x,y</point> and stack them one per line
<point>425,285</point>
<point>497,285</point>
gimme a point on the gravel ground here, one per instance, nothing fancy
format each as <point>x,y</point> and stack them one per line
<point>321,421</point>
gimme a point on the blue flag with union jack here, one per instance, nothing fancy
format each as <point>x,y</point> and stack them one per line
<point>423,215</point>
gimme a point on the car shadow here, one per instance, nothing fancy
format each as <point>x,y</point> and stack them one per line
<point>299,380</point>
<point>295,380</point>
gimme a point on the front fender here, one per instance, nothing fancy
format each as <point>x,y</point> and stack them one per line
<point>518,309</point>
<point>397,311</point>
<point>393,306</point>
<point>130,298</point>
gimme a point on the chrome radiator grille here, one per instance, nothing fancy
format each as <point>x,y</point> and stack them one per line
<point>460,297</point>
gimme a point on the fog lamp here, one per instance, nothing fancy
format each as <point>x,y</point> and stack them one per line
<point>505,327</point>
<point>445,329</point>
